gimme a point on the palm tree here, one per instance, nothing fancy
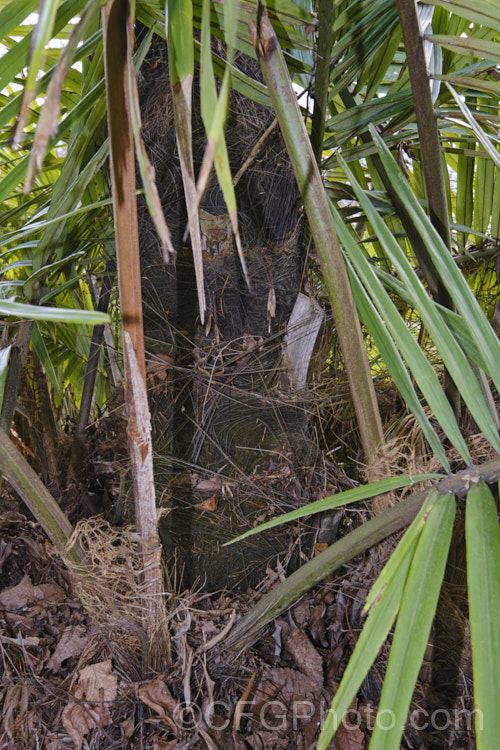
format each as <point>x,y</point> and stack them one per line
<point>410,172</point>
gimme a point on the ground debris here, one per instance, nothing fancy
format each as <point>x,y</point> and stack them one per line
<point>68,682</point>
<point>89,707</point>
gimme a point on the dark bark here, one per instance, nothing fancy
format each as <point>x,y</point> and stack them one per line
<point>50,456</point>
<point>431,154</point>
<point>213,389</point>
<point>13,379</point>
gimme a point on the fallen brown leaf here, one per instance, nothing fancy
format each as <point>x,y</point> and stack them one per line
<point>185,479</point>
<point>281,687</point>
<point>79,718</point>
<point>98,682</point>
<point>307,658</point>
<point>210,503</point>
<point>207,485</point>
<point>249,342</point>
<point>127,728</point>
<point>284,700</point>
<point>157,696</point>
<point>319,547</point>
<point>302,612</point>
<point>17,597</point>
<point>72,642</point>
<point>349,737</point>
<point>97,686</point>
<point>275,576</point>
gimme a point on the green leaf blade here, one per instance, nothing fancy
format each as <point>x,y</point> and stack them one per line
<point>414,623</point>
<point>383,603</point>
<point>336,501</point>
<point>55,314</point>
<point>483,578</point>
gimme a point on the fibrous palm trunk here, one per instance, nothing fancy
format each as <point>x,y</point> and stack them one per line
<point>220,400</point>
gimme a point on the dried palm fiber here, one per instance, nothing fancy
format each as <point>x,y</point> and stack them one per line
<point>219,395</point>
<point>111,588</point>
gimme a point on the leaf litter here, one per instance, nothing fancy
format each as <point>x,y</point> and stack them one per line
<point>71,675</point>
